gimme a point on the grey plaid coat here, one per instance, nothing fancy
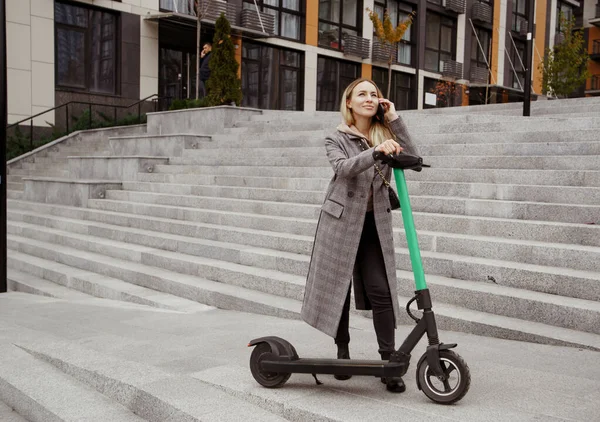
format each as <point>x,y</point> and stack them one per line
<point>340,227</point>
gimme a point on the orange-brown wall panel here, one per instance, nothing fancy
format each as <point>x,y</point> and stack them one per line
<point>238,53</point>
<point>312,22</point>
<point>594,65</point>
<point>540,43</point>
<point>495,42</point>
<point>367,71</point>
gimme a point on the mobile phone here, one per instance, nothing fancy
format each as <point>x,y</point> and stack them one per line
<point>379,116</point>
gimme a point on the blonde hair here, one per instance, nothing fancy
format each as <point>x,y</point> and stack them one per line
<point>379,131</point>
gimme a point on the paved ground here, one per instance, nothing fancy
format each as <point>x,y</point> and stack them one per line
<point>511,381</point>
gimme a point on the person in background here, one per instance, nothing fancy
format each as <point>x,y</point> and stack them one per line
<point>204,69</point>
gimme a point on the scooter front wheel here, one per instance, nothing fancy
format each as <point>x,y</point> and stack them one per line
<point>261,352</point>
<point>456,384</point>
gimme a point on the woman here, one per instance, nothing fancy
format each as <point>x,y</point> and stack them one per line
<point>354,239</point>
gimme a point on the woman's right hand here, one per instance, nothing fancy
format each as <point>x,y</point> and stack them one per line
<point>389,147</point>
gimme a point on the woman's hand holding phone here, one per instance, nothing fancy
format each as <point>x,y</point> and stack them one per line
<point>389,109</point>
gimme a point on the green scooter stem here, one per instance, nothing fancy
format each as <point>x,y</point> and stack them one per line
<point>409,229</point>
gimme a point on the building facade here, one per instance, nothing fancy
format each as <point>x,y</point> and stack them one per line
<point>294,54</point>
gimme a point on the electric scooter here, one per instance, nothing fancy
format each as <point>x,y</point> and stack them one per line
<point>442,374</point>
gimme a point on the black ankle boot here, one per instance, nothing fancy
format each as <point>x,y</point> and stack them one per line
<point>343,353</point>
<point>392,384</point>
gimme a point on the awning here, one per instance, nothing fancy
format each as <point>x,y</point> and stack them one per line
<point>189,21</point>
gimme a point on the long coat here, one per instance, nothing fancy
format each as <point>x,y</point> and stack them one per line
<point>340,227</point>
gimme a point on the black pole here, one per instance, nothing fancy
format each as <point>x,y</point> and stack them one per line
<point>3,121</point>
<point>528,60</point>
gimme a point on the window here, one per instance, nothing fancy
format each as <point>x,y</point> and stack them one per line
<point>519,15</point>
<point>399,12</point>
<point>518,59</point>
<point>567,12</point>
<point>481,53</point>
<point>400,94</point>
<point>289,16</point>
<point>337,20</point>
<point>333,76</point>
<point>272,78</point>
<point>178,6</point>
<point>85,48</point>
<point>440,41</point>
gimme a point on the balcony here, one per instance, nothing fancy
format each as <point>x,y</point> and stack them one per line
<point>452,69</point>
<point>479,75</point>
<point>245,22</point>
<point>596,19</point>
<point>381,52</point>
<point>595,54</point>
<point>481,12</point>
<point>355,46</point>
<point>458,6</point>
<point>520,25</point>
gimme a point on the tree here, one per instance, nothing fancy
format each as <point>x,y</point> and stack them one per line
<point>224,86</point>
<point>390,36</point>
<point>564,68</point>
<point>200,7</point>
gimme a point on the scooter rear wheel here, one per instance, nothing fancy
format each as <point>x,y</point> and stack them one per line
<point>267,379</point>
<point>454,387</point>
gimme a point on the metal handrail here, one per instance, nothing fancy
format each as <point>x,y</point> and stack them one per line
<point>90,105</point>
<point>82,102</point>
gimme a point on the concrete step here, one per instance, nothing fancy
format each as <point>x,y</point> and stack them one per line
<point>191,237</point>
<point>504,176</point>
<point>11,178</point>
<point>53,172</point>
<point>302,136</point>
<point>15,186</point>
<point>144,391</point>
<point>148,275</point>
<point>306,204</point>
<point>225,186</point>
<point>14,194</point>
<point>7,414</point>
<point>241,189</point>
<point>42,393</point>
<point>565,162</point>
<point>579,234</point>
<point>44,276</point>
<point>28,283</point>
<point>546,279</point>
<point>172,145</point>
<point>272,149</point>
<point>566,312</point>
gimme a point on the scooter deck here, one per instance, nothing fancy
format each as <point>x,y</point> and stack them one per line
<point>376,368</point>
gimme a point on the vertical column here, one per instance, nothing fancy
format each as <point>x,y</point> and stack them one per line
<point>237,43</point>
<point>310,80</point>
<point>539,43</point>
<point>367,32</point>
<point>149,52</point>
<point>18,31</point>
<point>42,61</point>
<point>312,22</point>
<point>499,41</point>
<point>461,26</point>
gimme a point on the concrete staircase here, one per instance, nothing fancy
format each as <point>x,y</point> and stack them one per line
<point>219,207</point>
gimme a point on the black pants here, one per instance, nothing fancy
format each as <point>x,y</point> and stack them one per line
<point>371,265</point>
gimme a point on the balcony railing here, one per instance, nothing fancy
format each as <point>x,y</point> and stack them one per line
<point>452,69</point>
<point>479,74</point>
<point>356,46</point>
<point>381,52</point>
<point>481,12</point>
<point>248,18</point>
<point>458,6</point>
